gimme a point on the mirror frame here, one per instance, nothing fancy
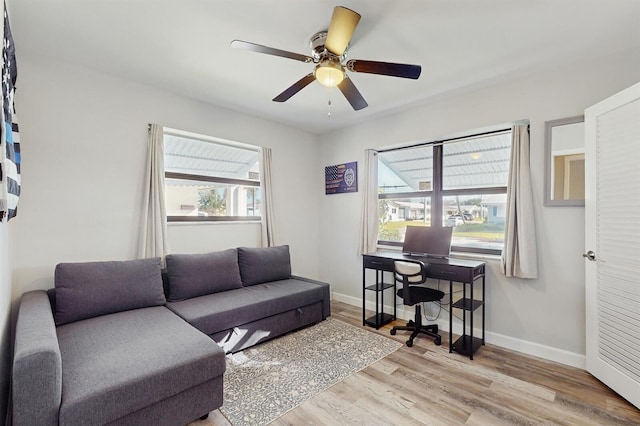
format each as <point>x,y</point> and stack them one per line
<point>548,127</point>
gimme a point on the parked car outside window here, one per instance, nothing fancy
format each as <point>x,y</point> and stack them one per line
<point>454,220</point>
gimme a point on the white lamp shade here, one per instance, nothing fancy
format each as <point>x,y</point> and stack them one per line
<point>329,74</point>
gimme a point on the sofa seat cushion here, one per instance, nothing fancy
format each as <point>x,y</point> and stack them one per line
<point>221,311</point>
<point>116,364</point>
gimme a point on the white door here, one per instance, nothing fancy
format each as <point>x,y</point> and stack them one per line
<point>612,237</point>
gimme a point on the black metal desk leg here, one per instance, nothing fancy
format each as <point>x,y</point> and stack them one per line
<point>450,316</point>
<point>484,304</point>
<point>381,300</point>
<point>364,295</point>
<point>377,300</point>
<point>471,320</point>
<point>463,340</point>
<point>393,297</point>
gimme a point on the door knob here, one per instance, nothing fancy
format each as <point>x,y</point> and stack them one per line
<point>590,255</point>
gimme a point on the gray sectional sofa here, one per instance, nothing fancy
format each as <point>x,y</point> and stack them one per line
<point>108,346</point>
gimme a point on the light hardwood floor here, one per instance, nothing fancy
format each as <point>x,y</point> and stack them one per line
<point>425,385</point>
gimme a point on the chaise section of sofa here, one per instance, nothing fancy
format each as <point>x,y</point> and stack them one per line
<point>248,295</point>
<point>113,354</point>
<point>117,365</point>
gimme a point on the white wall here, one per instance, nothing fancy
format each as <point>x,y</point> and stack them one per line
<point>84,144</point>
<point>5,317</point>
<point>543,316</point>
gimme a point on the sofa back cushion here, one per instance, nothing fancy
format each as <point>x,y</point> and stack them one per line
<point>90,289</point>
<point>261,265</point>
<point>192,275</point>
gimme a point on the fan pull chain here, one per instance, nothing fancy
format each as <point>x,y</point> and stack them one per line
<point>329,92</point>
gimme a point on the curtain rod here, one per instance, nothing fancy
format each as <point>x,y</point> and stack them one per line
<point>492,132</point>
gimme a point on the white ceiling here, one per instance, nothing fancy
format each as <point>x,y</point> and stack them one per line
<point>183,46</point>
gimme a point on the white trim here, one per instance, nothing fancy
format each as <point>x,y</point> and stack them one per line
<point>538,350</point>
<point>528,348</point>
<point>213,139</point>
<point>458,136</point>
<point>568,151</point>
<point>214,222</point>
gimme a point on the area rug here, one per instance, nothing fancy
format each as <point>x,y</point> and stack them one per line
<point>264,382</point>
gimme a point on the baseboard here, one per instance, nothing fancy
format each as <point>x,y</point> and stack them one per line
<point>529,348</point>
<point>536,349</point>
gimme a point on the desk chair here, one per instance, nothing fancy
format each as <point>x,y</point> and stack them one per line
<point>410,273</point>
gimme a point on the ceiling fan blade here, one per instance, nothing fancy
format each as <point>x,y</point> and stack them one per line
<point>352,94</point>
<point>295,88</point>
<point>384,68</point>
<point>343,24</point>
<point>239,44</point>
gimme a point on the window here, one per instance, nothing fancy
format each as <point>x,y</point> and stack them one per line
<point>208,179</point>
<point>459,182</point>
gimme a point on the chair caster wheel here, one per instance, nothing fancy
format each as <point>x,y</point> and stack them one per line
<point>438,341</point>
<point>409,343</point>
<point>393,332</point>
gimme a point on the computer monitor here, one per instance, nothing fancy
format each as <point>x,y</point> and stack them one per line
<point>427,241</point>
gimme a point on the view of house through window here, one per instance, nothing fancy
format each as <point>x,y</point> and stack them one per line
<point>460,183</point>
<point>210,179</point>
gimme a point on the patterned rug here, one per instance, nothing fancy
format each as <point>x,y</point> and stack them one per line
<point>264,382</point>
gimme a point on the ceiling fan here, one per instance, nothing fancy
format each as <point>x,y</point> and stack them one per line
<point>328,51</point>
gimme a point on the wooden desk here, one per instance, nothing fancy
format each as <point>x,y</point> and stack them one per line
<point>453,270</point>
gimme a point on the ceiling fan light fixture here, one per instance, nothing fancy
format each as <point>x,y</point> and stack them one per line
<point>329,74</point>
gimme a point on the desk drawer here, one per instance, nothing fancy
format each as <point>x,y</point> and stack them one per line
<point>450,273</point>
<point>379,263</point>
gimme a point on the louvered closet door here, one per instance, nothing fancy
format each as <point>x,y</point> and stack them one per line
<point>612,219</point>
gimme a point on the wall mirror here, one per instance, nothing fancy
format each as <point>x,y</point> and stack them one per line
<point>564,162</point>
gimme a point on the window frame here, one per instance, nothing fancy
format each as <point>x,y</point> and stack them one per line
<point>437,193</point>
<point>211,179</point>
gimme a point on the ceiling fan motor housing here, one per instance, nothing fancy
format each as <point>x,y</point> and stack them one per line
<point>318,49</point>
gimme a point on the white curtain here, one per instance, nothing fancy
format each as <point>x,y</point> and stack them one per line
<point>268,218</point>
<point>519,257</point>
<point>153,227</point>
<point>369,217</point>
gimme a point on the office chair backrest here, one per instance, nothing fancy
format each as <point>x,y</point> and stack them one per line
<point>412,271</point>
<point>409,273</point>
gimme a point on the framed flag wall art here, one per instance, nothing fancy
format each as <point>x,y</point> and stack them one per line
<point>341,178</point>
<point>10,158</point>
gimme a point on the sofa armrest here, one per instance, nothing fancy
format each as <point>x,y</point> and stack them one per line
<point>37,365</point>
<point>326,289</point>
